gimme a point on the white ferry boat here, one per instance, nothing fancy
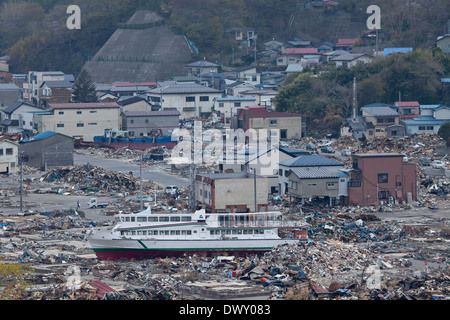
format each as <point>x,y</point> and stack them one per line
<point>147,235</point>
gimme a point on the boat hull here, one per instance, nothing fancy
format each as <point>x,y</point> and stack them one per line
<point>127,249</point>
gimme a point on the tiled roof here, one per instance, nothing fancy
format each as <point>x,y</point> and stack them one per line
<point>381,111</point>
<point>301,50</point>
<point>313,173</point>
<point>183,88</point>
<point>91,105</point>
<point>151,113</point>
<point>310,161</point>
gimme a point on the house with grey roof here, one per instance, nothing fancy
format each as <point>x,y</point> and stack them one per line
<point>320,164</point>
<point>351,59</point>
<point>9,93</point>
<point>18,118</point>
<point>150,123</point>
<point>200,67</point>
<point>385,121</point>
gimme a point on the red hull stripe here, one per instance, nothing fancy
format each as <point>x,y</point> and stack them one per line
<point>137,254</point>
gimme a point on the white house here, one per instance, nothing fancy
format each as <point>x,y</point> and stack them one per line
<point>351,59</point>
<point>189,99</point>
<point>8,156</point>
<point>18,117</point>
<point>430,120</point>
<point>228,106</point>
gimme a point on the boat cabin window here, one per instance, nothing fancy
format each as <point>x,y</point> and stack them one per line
<point>127,219</point>
<point>163,219</point>
<point>152,219</point>
<point>141,219</point>
<point>175,219</point>
<point>186,218</point>
<point>132,219</point>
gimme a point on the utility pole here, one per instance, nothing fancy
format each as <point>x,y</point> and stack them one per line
<point>21,179</point>
<point>140,182</point>
<point>254,188</point>
<point>354,98</point>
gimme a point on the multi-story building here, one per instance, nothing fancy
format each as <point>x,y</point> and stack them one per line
<point>79,120</point>
<point>377,177</point>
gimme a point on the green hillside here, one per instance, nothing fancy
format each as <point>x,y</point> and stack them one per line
<point>34,33</point>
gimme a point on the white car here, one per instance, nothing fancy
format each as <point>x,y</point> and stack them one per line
<point>437,164</point>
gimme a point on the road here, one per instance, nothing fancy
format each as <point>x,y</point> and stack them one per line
<point>155,173</point>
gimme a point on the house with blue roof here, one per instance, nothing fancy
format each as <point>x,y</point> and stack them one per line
<point>320,164</point>
<point>430,120</point>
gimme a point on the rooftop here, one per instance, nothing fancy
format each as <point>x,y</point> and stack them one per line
<point>151,113</point>
<point>380,111</point>
<point>313,173</point>
<point>310,161</point>
<point>175,88</point>
<point>91,105</point>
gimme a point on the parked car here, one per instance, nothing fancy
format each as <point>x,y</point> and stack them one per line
<point>437,164</point>
<point>283,144</point>
<point>424,162</point>
<point>327,150</point>
<point>346,152</point>
<point>310,146</point>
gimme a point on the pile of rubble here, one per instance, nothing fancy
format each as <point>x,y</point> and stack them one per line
<point>89,177</point>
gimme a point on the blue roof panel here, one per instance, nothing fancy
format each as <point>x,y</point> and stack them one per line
<point>310,161</point>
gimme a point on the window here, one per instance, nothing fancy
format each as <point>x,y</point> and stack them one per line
<point>190,99</point>
<point>331,185</point>
<point>1,152</point>
<point>9,151</point>
<point>92,123</point>
<point>141,219</point>
<point>421,128</point>
<point>131,121</point>
<point>186,218</point>
<point>146,120</point>
<point>430,128</point>
<point>61,112</point>
<point>221,104</point>
<point>382,178</point>
<point>163,219</point>
<point>204,98</point>
<point>273,122</point>
<point>93,111</point>
<point>383,194</point>
<point>60,125</point>
<point>80,125</point>
<point>79,112</point>
<point>312,184</point>
<point>175,219</point>
<point>237,104</point>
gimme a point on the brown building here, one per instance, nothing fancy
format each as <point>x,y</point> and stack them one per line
<point>377,177</point>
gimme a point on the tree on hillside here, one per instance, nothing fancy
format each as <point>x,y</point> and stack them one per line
<point>444,132</point>
<point>84,88</point>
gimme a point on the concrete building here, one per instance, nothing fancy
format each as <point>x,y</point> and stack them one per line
<point>430,119</point>
<point>8,156</point>
<point>32,87</point>
<point>79,120</point>
<point>290,125</point>
<point>228,107</point>
<point>189,99</point>
<point>134,103</point>
<point>200,67</point>
<point>150,123</point>
<point>231,192</point>
<point>48,149</point>
<point>382,177</point>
